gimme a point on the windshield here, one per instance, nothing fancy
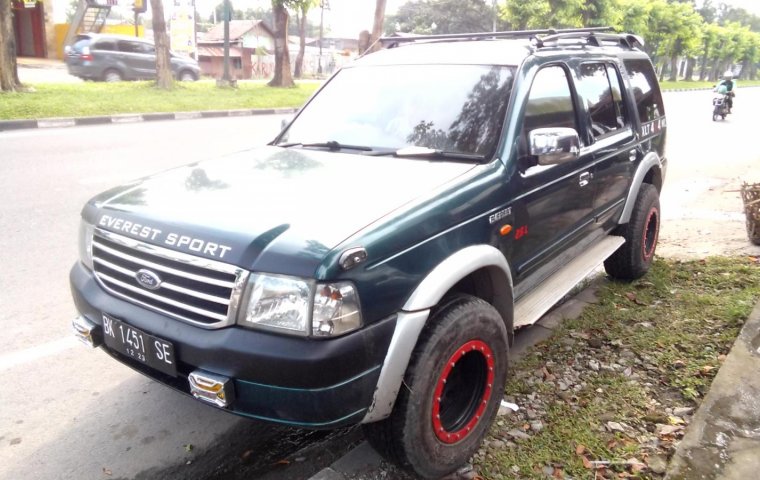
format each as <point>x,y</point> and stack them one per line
<point>455,108</point>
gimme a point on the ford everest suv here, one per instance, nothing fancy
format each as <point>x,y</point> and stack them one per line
<point>373,262</point>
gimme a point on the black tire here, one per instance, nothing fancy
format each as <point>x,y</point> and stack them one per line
<point>715,117</point>
<point>112,75</point>
<point>186,76</point>
<point>723,116</point>
<point>633,259</point>
<point>451,392</point>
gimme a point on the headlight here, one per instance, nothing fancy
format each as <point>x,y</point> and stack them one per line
<point>85,243</point>
<point>336,309</point>
<point>280,303</point>
<point>287,304</point>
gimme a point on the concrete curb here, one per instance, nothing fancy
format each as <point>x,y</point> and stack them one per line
<point>362,461</point>
<point>723,439</point>
<point>6,125</point>
<point>665,90</point>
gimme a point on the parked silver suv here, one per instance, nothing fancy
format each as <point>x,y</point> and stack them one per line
<point>112,58</point>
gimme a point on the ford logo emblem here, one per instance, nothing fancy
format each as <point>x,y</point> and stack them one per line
<point>148,279</point>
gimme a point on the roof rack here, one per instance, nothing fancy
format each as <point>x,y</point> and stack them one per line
<point>391,42</point>
<point>596,39</point>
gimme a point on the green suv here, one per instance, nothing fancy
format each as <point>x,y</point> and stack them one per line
<point>372,263</point>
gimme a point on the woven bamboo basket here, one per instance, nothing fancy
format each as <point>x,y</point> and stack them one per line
<point>751,199</point>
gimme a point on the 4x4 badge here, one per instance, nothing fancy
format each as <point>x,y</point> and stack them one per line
<point>148,279</point>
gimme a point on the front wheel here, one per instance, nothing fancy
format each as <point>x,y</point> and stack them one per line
<point>633,259</point>
<point>451,391</point>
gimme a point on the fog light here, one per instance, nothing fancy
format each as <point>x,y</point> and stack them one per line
<point>211,388</point>
<point>86,332</point>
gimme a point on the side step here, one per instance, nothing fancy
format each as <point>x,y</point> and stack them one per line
<point>531,306</point>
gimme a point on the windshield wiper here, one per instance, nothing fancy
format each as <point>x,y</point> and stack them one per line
<point>331,145</point>
<point>425,152</point>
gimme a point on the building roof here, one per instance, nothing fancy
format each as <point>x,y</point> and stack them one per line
<point>214,51</point>
<point>238,28</point>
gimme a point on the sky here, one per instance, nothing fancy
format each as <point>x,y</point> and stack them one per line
<point>345,18</point>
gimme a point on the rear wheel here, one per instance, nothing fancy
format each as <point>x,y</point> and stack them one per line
<point>112,75</point>
<point>633,259</point>
<point>451,391</point>
<point>186,76</point>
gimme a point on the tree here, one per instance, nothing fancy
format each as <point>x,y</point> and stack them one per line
<point>282,76</point>
<point>377,25</point>
<point>302,8</point>
<point>448,16</point>
<point>9,81</point>
<point>161,40</point>
<point>528,14</point>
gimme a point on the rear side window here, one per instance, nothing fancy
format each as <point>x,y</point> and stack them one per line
<point>108,45</point>
<point>135,47</point>
<point>646,91</point>
<point>599,85</point>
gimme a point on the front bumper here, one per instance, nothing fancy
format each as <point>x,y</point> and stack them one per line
<point>291,380</point>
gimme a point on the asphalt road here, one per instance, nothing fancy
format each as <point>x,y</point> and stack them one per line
<point>68,412</point>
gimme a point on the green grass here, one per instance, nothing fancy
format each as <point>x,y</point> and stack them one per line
<point>95,98</point>
<point>680,320</point>
<point>684,84</point>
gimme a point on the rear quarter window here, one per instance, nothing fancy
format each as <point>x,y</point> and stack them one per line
<point>108,45</point>
<point>646,90</point>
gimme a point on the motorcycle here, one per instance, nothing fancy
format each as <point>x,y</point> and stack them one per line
<point>720,106</point>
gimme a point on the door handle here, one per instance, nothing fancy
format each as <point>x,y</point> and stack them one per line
<point>585,178</point>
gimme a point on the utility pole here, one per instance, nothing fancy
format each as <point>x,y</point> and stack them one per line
<point>226,74</point>
<point>494,15</point>
<point>322,4</point>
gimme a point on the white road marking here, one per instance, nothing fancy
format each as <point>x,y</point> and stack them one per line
<point>37,352</point>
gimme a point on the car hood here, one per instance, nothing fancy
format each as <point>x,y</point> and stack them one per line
<point>268,209</point>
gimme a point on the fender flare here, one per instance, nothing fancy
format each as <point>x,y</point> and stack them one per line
<point>416,311</point>
<point>650,161</point>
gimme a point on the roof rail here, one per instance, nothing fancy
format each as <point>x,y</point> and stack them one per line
<point>625,40</point>
<point>391,42</point>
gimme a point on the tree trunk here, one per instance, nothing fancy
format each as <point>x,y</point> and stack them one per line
<point>8,69</point>
<point>301,45</point>
<point>282,76</point>
<point>673,68</point>
<point>691,63</point>
<point>164,78</point>
<point>714,71</point>
<point>703,68</point>
<point>377,26</point>
<point>745,70</point>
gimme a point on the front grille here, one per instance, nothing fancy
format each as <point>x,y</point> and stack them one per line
<point>195,290</point>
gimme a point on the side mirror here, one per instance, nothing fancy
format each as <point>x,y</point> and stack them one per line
<point>553,146</point>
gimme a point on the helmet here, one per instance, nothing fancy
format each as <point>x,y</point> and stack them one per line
<point>728,75</point>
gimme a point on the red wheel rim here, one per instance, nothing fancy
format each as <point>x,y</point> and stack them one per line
<point>462,392</point>
<point>649,237</point>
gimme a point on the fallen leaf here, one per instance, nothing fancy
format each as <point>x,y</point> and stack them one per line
<point>705,370</point>
<point>668,429</point>
<point>675,420</point>
<point>580,449</point>
<point>188,447</point>
<point>612,444</point>
<point>587,463</point>
<point>246,455</point>
<point>107,471</point>
<point>282,462</point>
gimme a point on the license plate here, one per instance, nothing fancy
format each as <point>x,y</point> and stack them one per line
<point>138,345</point>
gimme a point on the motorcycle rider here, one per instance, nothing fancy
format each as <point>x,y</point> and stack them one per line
<point>729,84</point>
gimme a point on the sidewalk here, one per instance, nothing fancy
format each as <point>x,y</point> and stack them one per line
<point>723,439</point>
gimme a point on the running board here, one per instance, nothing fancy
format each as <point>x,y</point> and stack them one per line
<point>532,306</point>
